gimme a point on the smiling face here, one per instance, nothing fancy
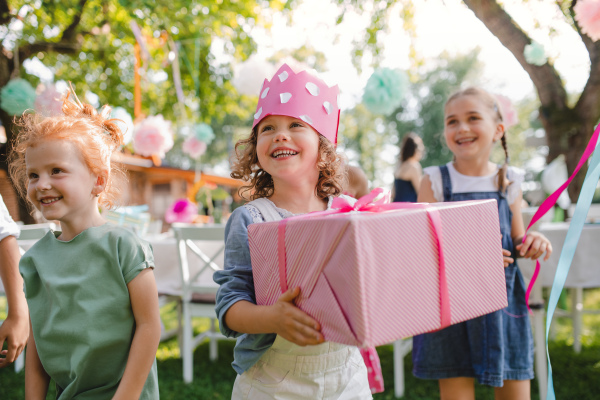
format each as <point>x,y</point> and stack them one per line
<point>471,128</point>
<point>60,185</point>
<point>287,148</point>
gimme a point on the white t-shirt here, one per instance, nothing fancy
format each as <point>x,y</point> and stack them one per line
<point>469,184</point>
<point>8,227</point>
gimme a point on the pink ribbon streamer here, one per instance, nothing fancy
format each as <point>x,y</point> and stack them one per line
<point>140,39</point>
<point>376,201</point>
<point>551,201</point>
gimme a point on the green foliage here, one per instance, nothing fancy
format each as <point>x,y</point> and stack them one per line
<point>379,12</point>
<point>575,375</point>
<point>422,112</point>
<point>366,137</point>
<point>100,56</point>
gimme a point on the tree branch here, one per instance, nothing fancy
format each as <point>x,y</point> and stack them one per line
<point>68,44</point>
<point>546,80</point>
<point>5,16</point>
<point>70,33</point>
<point>588,105</point>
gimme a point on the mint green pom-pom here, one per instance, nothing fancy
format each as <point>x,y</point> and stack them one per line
<point>204,133</point>
<point>17,96</point>
<point>535,54</point>
<point>385,90</point>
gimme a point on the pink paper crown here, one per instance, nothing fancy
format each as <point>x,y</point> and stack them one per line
<point>303,96</point>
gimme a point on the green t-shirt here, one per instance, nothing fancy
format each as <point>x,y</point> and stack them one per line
<point>80,309</point>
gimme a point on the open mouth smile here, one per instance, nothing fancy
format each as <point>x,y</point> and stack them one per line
<point>283,153</point>
<point>465,140</point>
<point>49,200</point>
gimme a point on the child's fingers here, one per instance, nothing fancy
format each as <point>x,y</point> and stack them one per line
<point>508,261</point>
<point>11,354</point>
<point>308,335</point>
<point>301,334</point>
<point>300,317</point>
<point>548,251</point>
<point>524,247</point>
<point>538,246</point>
<point>541,248</point>
<point>290,295</point>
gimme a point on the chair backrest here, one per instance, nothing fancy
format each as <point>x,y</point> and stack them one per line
<point>31,232</point>
<point>35,231</point>
<point>207,243</point>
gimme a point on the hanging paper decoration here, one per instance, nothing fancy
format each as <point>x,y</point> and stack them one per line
<point>49,102</point>
<point>249,75</point>
<point>125,122</point>
<point>194,147</point>
<point>204,133</point>
<point>509,114</point>
<point>535,54</point>
<point>385,90</point>
<point>17,96</point>
<point>587,14</point>
<point>182,210</point>
<point>152,136</point>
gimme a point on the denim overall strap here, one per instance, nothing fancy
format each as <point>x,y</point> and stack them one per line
<point>446,183</point>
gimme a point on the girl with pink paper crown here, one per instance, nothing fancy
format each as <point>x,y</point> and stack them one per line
<point>497,348</point>
<point>293,168</point>
<point>93,303</point>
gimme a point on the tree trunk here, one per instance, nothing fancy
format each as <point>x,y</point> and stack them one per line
<point>567,133</point>
<point>6,68</point>
<point>568,130</point>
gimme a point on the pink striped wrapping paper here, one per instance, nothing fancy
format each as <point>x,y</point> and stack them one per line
<point>372,278</point>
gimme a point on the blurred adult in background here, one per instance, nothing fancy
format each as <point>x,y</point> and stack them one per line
<point>407,177</point>
<point>357,184</point>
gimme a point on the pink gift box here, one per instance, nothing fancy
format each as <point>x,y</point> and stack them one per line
<point>371,278</point>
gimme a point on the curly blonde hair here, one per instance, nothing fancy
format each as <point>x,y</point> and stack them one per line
<point>96,137</point>
<point>245,167</point>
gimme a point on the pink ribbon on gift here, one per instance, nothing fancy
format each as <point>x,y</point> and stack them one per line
<point>376,201</point>
<point>551,201</point>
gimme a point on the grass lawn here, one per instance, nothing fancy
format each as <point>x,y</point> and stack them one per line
<point>576,376</point>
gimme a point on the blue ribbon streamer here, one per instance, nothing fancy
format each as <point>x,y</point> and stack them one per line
<point>566,256</point>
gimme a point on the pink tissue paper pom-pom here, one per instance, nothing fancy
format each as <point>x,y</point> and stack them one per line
<point>587,14</point>
<point>194,147</point>
<point>152,136</point>
<point>182,210</point>
<point>509,114</point>
<point>48,102</point>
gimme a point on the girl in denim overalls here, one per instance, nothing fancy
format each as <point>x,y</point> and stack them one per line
<point>497,348</point>
<point>291,166</point>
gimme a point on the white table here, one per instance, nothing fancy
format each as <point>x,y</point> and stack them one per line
<point>584,273</point>
<point>166,260</point>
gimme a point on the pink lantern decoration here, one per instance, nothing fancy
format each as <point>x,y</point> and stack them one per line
<point>509,114</point>
<point>587,14</point>
<point>152,136</point>
<point>194,147</point>
<point>48,102</point>
<point>182,210</point>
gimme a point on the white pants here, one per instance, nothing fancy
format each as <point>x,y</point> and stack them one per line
<point>287,371</point>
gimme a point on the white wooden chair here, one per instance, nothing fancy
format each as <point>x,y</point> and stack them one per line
<point>401,348</point>
<point>35,231</point>
<point>28,232</point>
<point>198,297</point>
